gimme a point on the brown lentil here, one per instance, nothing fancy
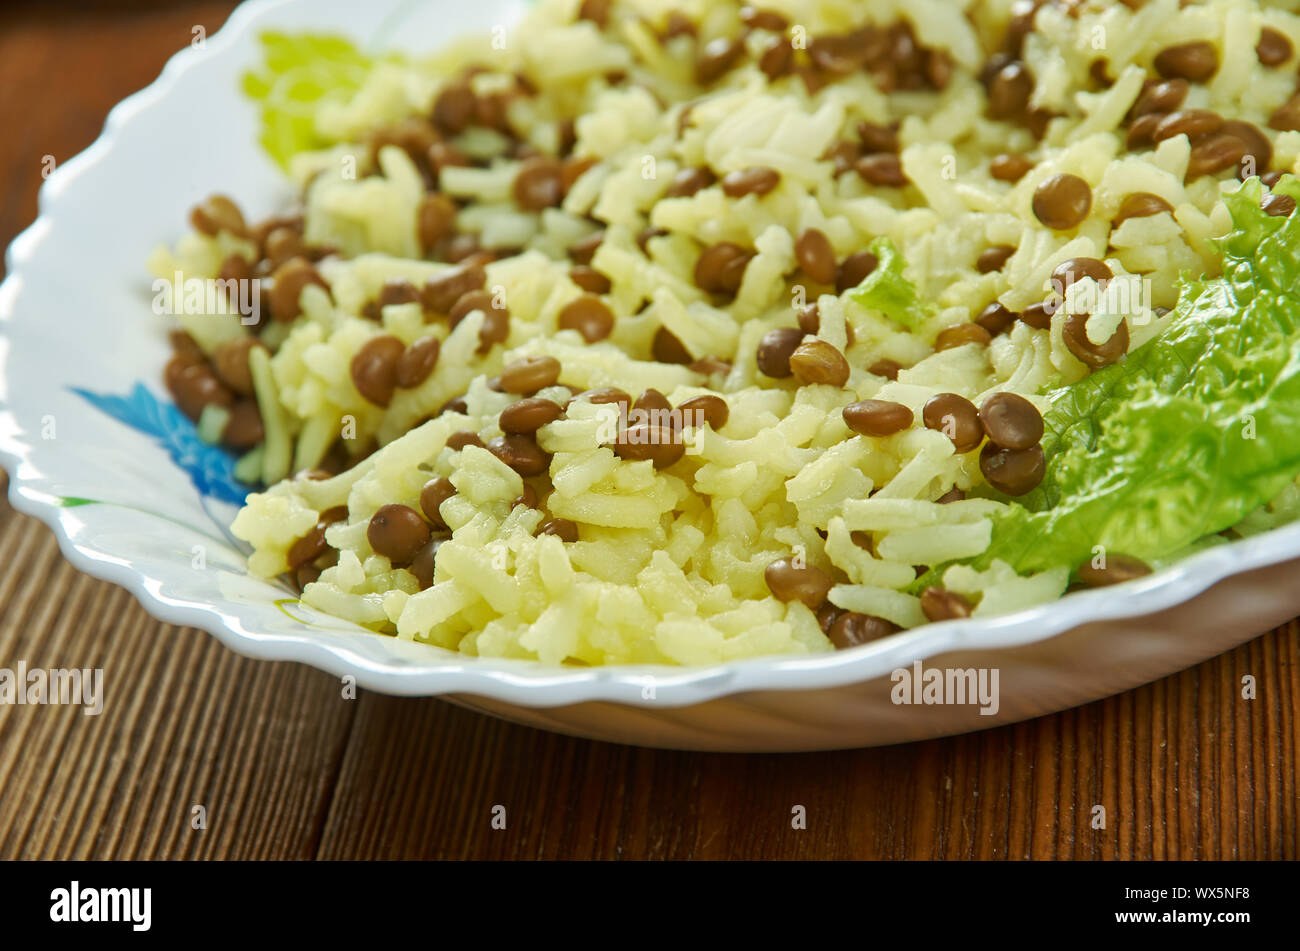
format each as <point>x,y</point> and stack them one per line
<point>398,291</point>
<point>436,220</point>
<point>462,438</point>
<point>855,269</point>
<point>527,498</point>
<point>230,361</point>
<point>961,335</point>
<point>755,180</point>
<point>281,244</point>
<point>607,394</point>
<point>456,404</point>
<point>777,57</point>
<point>244,429</point>
<point>1286,117</point>
<point>529,415</point>
<point>435,492</point>
<point>666,347</point>
<point>818,362</point>
<point>650,402</point>
<point>417,362</point>
<point>775,350</point>
<point>790,583</point>
<point>1196,61</point>
<point>1161,97</point>
<point>1073,270</point>
<point>940,604</point>
<point>217,213</point>
<point>529,374</point>
<point>710,366</point>
<point>1011,421</point>
<point>851,629</point>
<point>996,318</point>
<point>1140,131</point>
<point>483,300</point>
<point>589,279</point>
<point>842,155</point>
<point>1116,570</point>
<point>539,184</point>
<point>374,368</point>
<point>721,267</point>
<point>1039,316</point>
<point>992,259</point>
<point>561,528</point>
<point>1215,154</point>
<point>520,453</point>
<point>952,495</point>
<point>677,24</point>
<point>454,109</point>
<point>711,410</point>
<point>1094,355</point>
<point>1009,91</point>
<point>659,444</point>
<point>1141,205</point>
<point>184,345</point>
<point>815,255</point>
<point>760,19</point>
<point>956,417</point>
<point>689,181</point>
<point>305,575</point>
<point>1257,146</point>
<point>877,138</point>
<point>1010,167</point>
<point>287,284</point>
<point>1193,123</point>
<point>496,320</point>
<point>838,55</point>
<point>195,386</point>
<point>464,249</point>
<point>424,561</point>
<point>882,169</point>
<point>877,417</point>
<point>886,368</point>
<point>441,293</point>
<point>827,615</point>
<point>308,548</point>
<point>397,532</point>
<point>717,57</point>
<point>1062,202</point>
<point>1274,47</point>
<point>590,316</point>
<point>584,250</point>
<point>1278,206</point>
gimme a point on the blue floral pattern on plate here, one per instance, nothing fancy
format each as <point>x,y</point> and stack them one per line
<point>211,468</point>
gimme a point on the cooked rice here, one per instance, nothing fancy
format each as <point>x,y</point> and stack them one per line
<point>670,563</point>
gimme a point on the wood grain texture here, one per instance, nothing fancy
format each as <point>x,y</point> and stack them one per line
<point>287,768</point>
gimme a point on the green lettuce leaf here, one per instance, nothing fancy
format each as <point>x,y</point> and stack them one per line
<point>299,74</point>
<point>1190,433</point>
<point>886,289</point>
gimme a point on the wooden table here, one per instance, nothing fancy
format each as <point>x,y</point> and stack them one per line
<point>287,768</point>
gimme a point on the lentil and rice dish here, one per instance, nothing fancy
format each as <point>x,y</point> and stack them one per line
<point>677,332</point>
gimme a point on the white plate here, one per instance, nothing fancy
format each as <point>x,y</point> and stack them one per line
<point>83,416</point>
